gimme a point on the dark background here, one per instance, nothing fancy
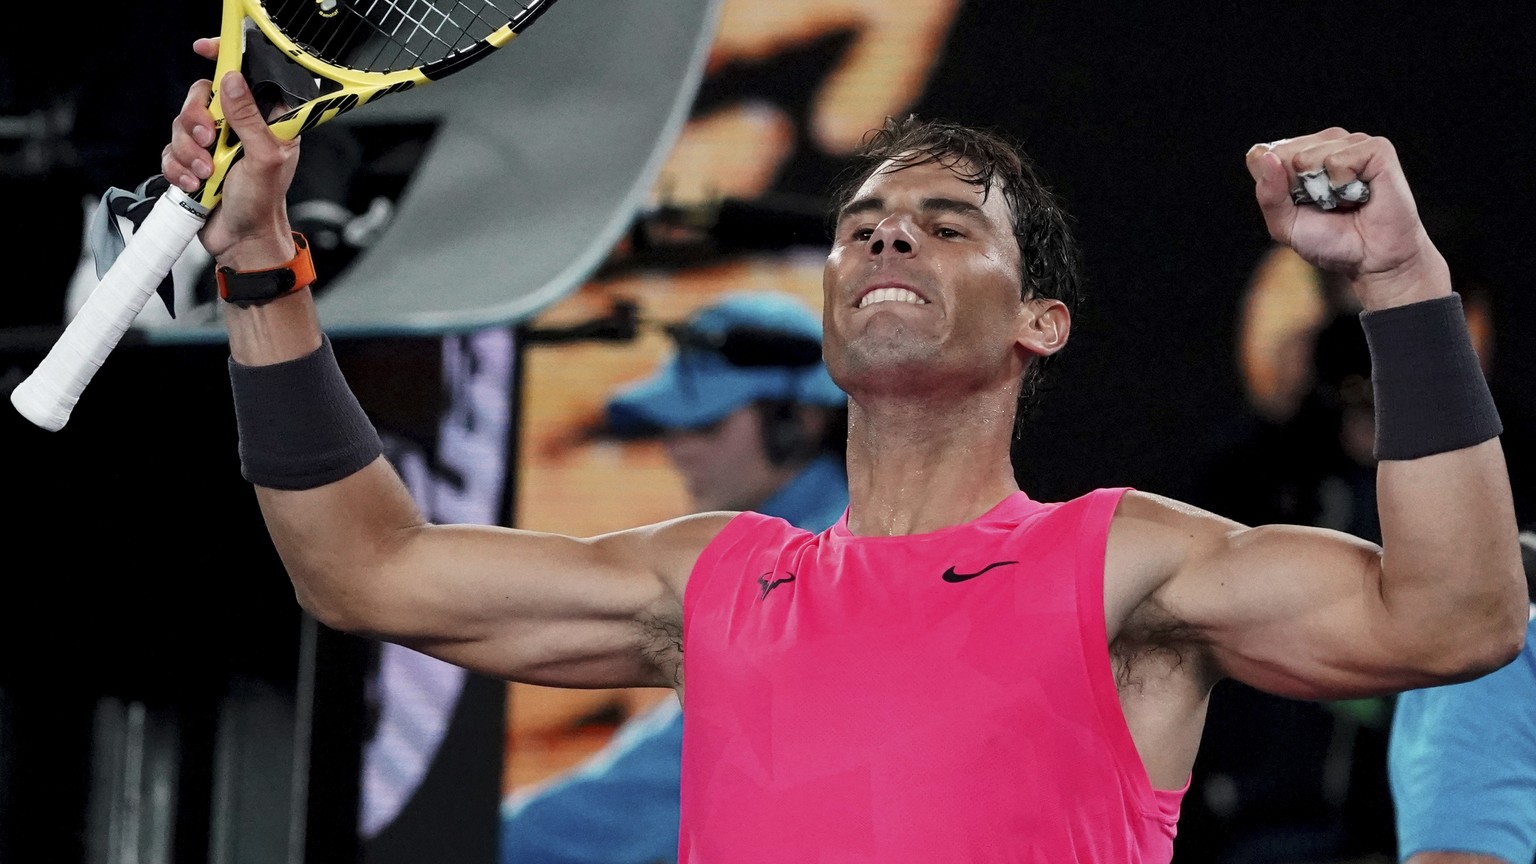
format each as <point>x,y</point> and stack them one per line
<point>138,564</point>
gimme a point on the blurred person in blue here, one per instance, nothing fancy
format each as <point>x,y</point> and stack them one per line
<point>750,419</point>
<point>1462,760</point>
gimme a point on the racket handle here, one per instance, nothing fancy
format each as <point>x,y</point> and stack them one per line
<point>48,395</point>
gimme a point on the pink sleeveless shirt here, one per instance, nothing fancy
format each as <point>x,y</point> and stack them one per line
<point>942,697</point>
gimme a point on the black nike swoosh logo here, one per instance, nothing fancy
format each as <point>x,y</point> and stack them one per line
<point>951,576</point>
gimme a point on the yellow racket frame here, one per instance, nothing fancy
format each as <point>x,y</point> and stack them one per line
<point>357,86</point>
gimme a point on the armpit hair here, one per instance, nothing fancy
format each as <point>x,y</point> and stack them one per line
<point>662,641</point>
<point>1153,645</point>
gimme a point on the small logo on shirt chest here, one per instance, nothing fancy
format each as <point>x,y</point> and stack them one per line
<point>765,585</point>
<point>951,576</point>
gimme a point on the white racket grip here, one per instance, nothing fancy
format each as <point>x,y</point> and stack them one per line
<point>48,395</point>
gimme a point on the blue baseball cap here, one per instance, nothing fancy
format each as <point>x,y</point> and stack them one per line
<point>697,386</point>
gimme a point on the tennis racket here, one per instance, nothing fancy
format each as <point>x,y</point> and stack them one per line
<point>359,51</point>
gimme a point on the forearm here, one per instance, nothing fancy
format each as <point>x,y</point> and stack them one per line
<point>1314,613</point>
<point>1450,562</point>
<point>1450,551</point>
<point>282,329</point>
<point>332,503</point>
<point>285,329</point>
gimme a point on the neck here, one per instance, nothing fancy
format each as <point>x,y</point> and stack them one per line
<point>916,467</point>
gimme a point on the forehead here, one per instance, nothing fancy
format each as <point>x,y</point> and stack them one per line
<point>900,183</point>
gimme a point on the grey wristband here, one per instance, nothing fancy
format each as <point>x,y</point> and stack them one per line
<point>300,425</point>
<point>1431,396</point>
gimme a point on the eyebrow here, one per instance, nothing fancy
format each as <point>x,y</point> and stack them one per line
<point>929,205</point>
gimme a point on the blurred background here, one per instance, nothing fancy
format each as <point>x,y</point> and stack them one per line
<point>162,699</point>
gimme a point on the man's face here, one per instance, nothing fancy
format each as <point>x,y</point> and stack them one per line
<point>724,465</point>
<point>922,285</point>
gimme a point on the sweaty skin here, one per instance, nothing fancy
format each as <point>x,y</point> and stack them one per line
<point>1190,597</point>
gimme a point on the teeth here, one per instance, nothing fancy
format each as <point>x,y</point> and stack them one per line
<point>881,295</point>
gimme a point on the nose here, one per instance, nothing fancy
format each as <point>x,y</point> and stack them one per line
<point>893,236</point>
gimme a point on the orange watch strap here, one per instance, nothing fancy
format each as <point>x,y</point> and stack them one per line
<point>246,288</point>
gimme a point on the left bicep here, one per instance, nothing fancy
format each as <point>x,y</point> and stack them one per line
<point>1289,609</point>
<point>1296,611</point>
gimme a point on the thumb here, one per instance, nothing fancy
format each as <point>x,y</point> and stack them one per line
<point>241,112</point>
<point>1271,185</point>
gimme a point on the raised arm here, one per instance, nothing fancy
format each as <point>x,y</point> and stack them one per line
<point>525,606</point>
<point>1313,613</point>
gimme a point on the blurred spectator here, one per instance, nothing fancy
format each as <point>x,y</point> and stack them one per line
<point>750,418</point>
<point>1462,761</point>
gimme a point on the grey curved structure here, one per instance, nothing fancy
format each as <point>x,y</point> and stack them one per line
<point>513,208</point>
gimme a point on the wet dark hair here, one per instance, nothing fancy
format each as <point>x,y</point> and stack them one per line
<point>1050,260</point>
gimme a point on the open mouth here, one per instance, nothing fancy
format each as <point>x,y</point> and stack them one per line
<point>890,294</point>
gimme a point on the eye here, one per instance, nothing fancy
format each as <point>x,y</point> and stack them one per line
<point>947,233</point>
<point>863,233</point>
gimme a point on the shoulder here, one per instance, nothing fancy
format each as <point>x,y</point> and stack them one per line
<point>1139,504</point>
<point>1135,508</point>
<point>698,528</point>
<point>1152,524</point>
<point>677,547</point>
<point>670,548</point>
<point>1153,537</point>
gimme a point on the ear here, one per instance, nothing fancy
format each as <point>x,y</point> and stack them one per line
<point>1044,325</point>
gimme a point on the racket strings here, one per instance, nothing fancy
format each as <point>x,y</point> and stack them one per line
<point>390,35</point>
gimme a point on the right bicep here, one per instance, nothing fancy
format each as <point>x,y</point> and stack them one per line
<point>544,608</point>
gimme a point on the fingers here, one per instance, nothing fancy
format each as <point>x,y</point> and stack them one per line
<point>240,109</point>
<point>1332,168</point>
<point>1329,172</point>
<point>1352,211</point>
<point>244,117</point>
<point>1271,186</point>
<point>1350,166</point>
<point>185,160</point>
